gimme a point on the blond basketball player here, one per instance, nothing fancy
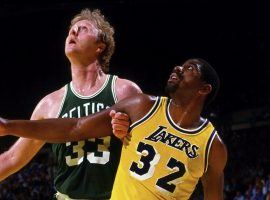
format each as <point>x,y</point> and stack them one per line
<point>80,165</point>
<point>172,146</point>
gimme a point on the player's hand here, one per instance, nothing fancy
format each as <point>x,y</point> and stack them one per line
<point>120,125</point>
<point>3,127</point>
<point>126,139</point>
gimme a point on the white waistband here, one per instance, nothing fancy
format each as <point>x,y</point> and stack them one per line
<point>60,196</point>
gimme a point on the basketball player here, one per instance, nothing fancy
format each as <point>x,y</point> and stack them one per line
<point>172,146</point>
<point>86,168</point>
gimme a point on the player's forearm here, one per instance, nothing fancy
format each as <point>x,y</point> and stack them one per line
<point>18,156</point>
<point>50,130</point>
<point>6,168</point>
<point>10,164</point>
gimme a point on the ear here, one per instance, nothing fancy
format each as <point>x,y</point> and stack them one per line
<point>101,48</point>
<point>205,89</point>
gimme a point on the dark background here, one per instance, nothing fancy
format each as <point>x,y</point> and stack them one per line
<point>151,38</point>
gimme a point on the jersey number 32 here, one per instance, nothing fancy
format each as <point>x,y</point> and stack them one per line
<point>145,168</point>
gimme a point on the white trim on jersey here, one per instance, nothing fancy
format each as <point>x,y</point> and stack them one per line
<point>148,115</point>
<point>92,95</point>
<point>208,150</point>
<point>62,102</point>
<point>114,89</point>
<point>184,131</point>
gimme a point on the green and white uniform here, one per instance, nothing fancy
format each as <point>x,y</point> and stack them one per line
<point>86,169</point>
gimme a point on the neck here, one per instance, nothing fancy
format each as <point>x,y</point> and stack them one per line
<point>187,114</point>
<point>87,78</point>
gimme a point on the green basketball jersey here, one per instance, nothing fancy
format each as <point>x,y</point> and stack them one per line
<point>86,169</point>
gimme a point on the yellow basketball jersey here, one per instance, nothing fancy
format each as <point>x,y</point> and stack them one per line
<point>163,160</point>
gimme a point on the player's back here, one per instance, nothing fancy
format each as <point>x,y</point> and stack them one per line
<point>163,160</point>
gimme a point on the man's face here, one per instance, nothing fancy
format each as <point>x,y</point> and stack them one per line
<point>187,76</point>
<point>82,40</point>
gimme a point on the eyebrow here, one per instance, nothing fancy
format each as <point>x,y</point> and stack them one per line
<point>196,65</point>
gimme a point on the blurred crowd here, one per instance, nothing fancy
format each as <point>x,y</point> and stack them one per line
<point>35,181</point>
<point>247,175</point>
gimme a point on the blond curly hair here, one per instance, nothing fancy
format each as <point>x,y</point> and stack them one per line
<point>105,34</point>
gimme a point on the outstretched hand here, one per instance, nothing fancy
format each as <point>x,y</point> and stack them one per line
<point>120,125</point>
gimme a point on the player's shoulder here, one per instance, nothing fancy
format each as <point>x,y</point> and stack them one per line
<point>136,106</point>
<point>125,88</point>
<point>146,98</point>
<point>141,98</point>
<point>49,105</point>
<point>137,103</point>
<point>54,96</point>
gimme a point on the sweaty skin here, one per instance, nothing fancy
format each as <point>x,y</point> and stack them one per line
<point>87,78</point>
<point>78,129</point>
<point>188,93</point>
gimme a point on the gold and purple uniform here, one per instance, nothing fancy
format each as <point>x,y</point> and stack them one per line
<point>163,160</point>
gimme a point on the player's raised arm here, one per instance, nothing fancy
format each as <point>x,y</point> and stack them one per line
<point>74,129</point>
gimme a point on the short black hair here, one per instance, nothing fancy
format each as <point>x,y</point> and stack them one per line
<point>209,76</point>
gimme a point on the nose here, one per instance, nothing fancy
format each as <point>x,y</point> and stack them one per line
<point>178,69</point>
<point>74,30</point>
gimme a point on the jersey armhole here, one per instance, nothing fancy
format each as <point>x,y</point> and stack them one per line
<point>207,150</point>
<point>151,112</point>
<point>62,102</point>
<point>113,85</point>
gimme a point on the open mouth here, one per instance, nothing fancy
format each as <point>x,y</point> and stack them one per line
<point>72,41</point>
<point>174,76</point>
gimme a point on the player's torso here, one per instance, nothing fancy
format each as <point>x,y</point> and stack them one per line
<point>86,169</point>
<point>162,161</point>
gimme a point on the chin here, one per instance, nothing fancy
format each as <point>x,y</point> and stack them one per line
<point>70,52</point>
<point>171,88</point>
